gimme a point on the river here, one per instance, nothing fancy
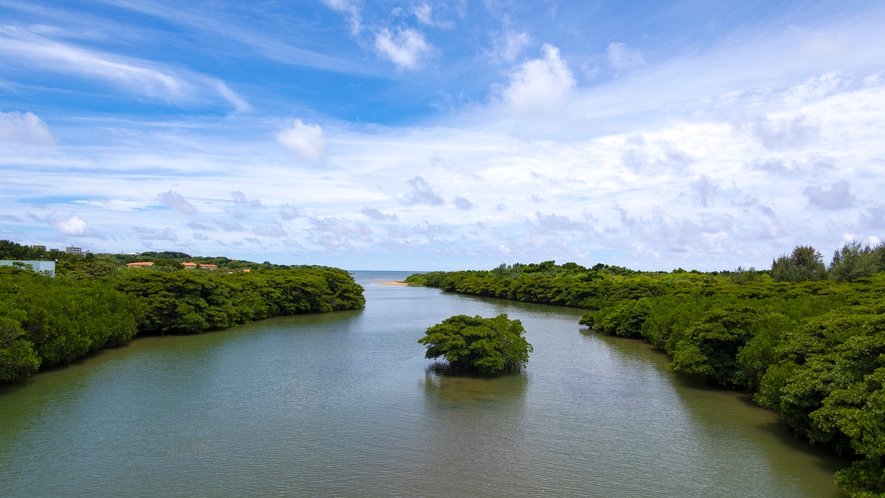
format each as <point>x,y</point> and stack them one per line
<point>344,404</point>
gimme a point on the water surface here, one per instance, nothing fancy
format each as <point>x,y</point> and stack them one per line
<point>344,404</point>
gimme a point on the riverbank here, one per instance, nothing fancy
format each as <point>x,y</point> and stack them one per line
<point>343,404</point>
<point>46,322</point>
<point>813,351</point>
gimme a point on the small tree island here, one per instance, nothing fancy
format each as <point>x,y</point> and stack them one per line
<point>477,344</point>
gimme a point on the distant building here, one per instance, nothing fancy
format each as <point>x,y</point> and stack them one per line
<point>73,250</point>
<point>188,264</point>
<point>246,270</point>
<point>208,267</point>
<point>140,264</point>
<point>45,267</point>
<point>39,248</point>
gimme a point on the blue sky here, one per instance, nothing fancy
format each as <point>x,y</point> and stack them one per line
<point>444,135</point>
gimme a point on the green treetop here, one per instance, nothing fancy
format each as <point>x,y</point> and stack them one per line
<point>485,345</point>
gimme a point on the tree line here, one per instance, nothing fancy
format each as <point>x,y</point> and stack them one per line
<point>45,322</point>
<point>805,339</point>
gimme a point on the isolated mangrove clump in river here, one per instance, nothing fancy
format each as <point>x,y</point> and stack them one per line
<point>95,302</point>
<point>805,339</point>
<point>477,344</point>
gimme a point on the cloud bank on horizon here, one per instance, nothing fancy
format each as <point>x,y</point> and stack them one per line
<point>444,135</point>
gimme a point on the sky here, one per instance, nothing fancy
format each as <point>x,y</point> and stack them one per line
<point>430,135</point>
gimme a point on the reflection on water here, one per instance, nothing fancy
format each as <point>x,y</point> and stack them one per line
<point>345,404</point>
<point>459,390</point>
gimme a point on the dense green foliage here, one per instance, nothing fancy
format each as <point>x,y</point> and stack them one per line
<point>805,263</point>
<point>46,322</point>
<point>191,301</point>
<point>96,303</point>
<point>805,340</point>
<point>484,345</point>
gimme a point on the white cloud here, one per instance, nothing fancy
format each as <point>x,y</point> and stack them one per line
<point>509,45</point>
<point>583,158</point>
<point>288,212</point>
<point>239,104</point>
<point>463,204</point>
<point>307,141</point>
<point>704,191</point>
<point>873,217</point>
<point>339,234</point>
<point>815,88</point>
<point>556,222</point>
<point>424,13</point>
<point>810,166</point>
<point>177,202</point>
<point>230,226</point>
<point>405,48</point>
<point>422,193</point>
<point>24,128</point>
<point>378,215</point>
<point>269,231</point>
<point>540,85</point>
<point>153,234</point>
<point>240,199</point>
<point>838,196</point>
<point>785,133</point>
<point>341,226</point>
<point>351,9</point>
<point>622,57</point>
<point>652,159</point>
<point>136,76</point>
<point>75,227</point>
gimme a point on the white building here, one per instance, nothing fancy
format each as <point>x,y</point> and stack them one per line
<point>44,267</point>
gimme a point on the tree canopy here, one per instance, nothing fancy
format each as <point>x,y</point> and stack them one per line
<point>484,345</point>
<point>96,302</point>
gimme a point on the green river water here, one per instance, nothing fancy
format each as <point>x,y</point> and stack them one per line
<point>344,404</point>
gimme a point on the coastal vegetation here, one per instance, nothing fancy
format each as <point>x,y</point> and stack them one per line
<point>477,344</point>
<point>804,339</point>
<point>96,302</point>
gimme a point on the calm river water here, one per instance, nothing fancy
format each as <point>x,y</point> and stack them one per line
<point>344,404</point>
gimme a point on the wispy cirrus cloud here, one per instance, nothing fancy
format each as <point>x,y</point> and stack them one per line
<point>38,51</point>
<point>220,25</point>
<point>136,76</point>
<point>622,57</point>
<point>351,9</point>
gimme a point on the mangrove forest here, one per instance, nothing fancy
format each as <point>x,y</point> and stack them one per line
<point>96,301</point>
<point>804,338</point>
